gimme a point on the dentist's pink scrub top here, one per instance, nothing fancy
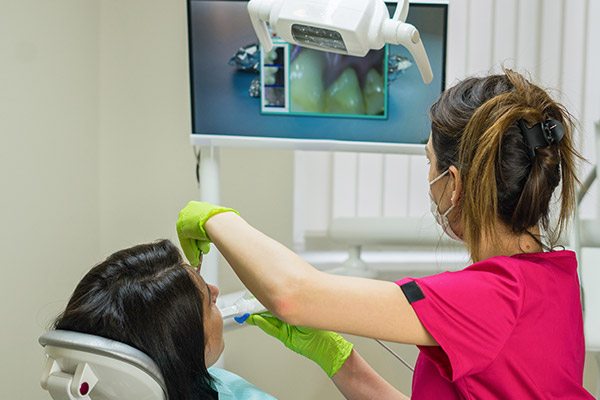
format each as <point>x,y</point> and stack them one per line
<point>508,328</point>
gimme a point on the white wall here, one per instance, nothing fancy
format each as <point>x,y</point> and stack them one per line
<point>48,173</point>
<point>146,165</point>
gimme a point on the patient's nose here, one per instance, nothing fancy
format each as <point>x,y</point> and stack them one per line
<point>214,291</point>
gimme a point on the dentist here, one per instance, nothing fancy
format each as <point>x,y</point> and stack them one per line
<point>509,326</point>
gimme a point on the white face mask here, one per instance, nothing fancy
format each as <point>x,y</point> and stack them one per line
<point>442,219</point>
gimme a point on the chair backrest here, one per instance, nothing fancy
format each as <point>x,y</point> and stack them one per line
<point>87,367</point>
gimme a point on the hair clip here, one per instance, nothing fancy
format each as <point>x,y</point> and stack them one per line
<point>542,134</point>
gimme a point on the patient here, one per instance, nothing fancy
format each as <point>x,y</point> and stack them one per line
<point>149,298</point>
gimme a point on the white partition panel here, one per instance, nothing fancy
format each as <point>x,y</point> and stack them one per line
<point>591,101</point>
<point>528,36</point>
<point>417,187</point>
<point>370,181</point>
<point>396,172</point>
<point>574,65</point>
<point>479,50</point>
<point>551,43</point>
<point>458,33</point>
<point>505,35</point>
<point>574,55</point>
<point>313,173</point>
<point>344,185</point>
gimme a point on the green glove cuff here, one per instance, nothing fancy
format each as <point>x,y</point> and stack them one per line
<point>338,351</point>
<point>214,211</point>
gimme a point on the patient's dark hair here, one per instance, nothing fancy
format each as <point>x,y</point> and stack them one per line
<point>145,297</point>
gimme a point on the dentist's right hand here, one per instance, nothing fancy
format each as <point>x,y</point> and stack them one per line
<point>190,228</point>
<point>328,349</point>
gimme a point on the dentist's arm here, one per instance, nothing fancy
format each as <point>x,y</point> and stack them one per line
<point>301,295</point>
<point>356,380</point>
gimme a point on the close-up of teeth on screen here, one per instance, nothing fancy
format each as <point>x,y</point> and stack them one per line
<point>324,83</point>
<point>343,84</point>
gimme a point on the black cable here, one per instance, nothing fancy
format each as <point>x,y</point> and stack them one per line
<point>197,155</point>
<point>392,352</point>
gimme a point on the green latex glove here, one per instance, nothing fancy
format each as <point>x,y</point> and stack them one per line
<point>190,228</point>
<point>328,349</point>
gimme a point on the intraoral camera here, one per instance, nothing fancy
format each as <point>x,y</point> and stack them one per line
<point>350,27</point>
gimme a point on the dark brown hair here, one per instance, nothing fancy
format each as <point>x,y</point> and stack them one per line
<point>474,126</point>
<point>145,297</point>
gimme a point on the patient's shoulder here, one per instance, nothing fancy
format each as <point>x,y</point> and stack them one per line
<point>233,387</point>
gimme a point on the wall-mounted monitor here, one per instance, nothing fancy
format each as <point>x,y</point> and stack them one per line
<point>306,99</point>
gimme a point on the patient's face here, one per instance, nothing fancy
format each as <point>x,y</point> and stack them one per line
<point>213,322</point>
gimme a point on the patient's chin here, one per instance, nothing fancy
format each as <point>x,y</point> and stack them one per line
<point>212,353</point>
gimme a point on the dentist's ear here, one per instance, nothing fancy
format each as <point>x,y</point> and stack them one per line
<point>457,185</point>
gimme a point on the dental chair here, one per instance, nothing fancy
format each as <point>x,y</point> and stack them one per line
<point>88,367</point>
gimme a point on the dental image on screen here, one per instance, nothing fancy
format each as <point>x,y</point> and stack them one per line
<point>298,93</point>
<point>300,81</point>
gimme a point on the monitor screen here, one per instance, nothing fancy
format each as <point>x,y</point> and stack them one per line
<point>308,95</point>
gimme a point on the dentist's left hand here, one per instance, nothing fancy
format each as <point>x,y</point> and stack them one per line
<point>327,349</point>
<point>190,228</point>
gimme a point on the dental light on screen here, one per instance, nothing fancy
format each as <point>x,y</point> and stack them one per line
<point>314,86</point>
<point>351,27</point>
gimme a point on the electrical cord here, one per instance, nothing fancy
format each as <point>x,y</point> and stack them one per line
<point>407,365</point>
<point>197,156</point>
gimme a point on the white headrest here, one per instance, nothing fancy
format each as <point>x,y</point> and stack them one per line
<point>82,366</point>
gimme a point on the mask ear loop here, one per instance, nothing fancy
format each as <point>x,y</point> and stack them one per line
<point>440,176</point>
<point>445,214</point>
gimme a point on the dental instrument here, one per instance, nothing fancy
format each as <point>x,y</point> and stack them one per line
<point>241,308</point>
